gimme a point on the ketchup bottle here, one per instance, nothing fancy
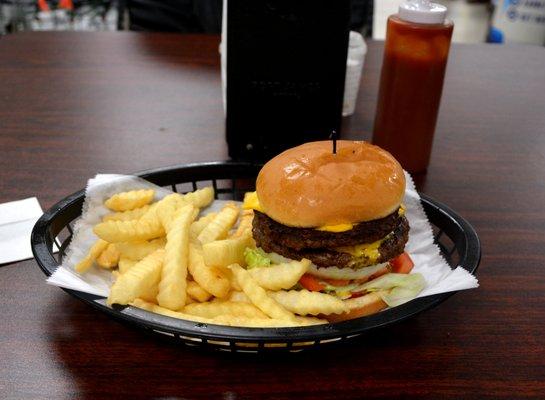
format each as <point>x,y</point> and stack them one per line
<point>415,58</point>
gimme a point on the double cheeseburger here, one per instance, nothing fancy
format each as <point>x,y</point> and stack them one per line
<point>342,211</point>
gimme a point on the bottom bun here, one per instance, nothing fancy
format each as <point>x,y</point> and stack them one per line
<point>359,307</point>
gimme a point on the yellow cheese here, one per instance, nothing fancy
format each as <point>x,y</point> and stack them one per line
<point>251,202</point>
<point>367,250</point>
<point>347,227</point>
<point>336,228</point>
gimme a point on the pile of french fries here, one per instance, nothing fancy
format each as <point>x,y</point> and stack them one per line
<point>168,259</point>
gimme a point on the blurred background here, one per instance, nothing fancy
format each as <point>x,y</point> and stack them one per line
<point>476,21</point>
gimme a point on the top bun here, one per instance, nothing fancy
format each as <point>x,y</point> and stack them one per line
<point>309,186</point>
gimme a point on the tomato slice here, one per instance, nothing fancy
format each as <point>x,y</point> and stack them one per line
<point>310,282</point>
<point>402,264</point>
<point>337,282</point>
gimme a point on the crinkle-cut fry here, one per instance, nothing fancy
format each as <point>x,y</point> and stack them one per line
<point>151,217</point>
<point>196,292</point>
<point>166,208</point>
<point>232,320</point>
<point>140,249</point>
<point>215,309</point>
<point>172,287</point>
<point>210,279</point>
<point>258,296</point>
<point>189,299</point>
<point>280,276</point>
<point>368,304</point>
<point>144,305</point>
<point>141,281</point>
<point>305,321</point>
<point>244,224</point>
<point>220,225</point>
<point>304,302</point>
<point>238,297</point>
<point>126,215</point>
<point>125,264</point>
<point>228,320</point>
<point>95,250</point>
<point>130,200</point>
<point>109,257</point>
<point>145,228</point>
<point>200,224</point>
<point>200,198</point>
<point>231,277</point>
<point>221,253</point>
<point>116,274</point>
<point>151,214</point>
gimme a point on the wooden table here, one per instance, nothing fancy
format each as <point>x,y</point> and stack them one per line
<point>74,104</point>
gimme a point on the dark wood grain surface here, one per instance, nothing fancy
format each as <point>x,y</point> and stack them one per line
<point>74,104</point>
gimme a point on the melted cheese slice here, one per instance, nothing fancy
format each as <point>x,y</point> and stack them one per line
<point>251,202</point>
<point>336,228</point>
<point>367,250</point>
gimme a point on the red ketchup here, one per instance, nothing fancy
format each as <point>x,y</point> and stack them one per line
<point>415,58</point>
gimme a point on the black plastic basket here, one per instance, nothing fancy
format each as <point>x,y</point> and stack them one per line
<point>456,238</point>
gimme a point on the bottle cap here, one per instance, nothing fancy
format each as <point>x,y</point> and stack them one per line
<point>422,12</point>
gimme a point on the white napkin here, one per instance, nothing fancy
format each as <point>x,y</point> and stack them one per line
<point>17,218</point>
<point>440,278</point>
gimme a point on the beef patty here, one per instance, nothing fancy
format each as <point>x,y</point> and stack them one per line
<point>310,238</point>
<point>325,255</point>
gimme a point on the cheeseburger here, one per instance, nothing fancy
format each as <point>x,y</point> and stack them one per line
<point>341,211</point>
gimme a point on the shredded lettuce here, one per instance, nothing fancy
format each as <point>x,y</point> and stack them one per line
<point>396,289</point>
<point>342,292</point>
<point>256,258</point>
